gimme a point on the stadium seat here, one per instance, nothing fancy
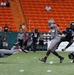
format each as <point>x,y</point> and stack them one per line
<point>6,17</point>
<point>61,12</point>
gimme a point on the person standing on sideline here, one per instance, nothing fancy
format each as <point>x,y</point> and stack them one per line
<point>41,41</point>
<point>35,37</point>
<point>1,46</point>
<point>20,38</point>
<point>25,40</point>
<point>5,41</point>
<point>55,38</point>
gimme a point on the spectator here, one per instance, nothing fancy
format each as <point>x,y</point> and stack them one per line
<point>5,28</point>
<point>7,4</point>
<point>0,29</point>
<point>10,30</point>
<point>48,8</point>
<point>5,41</point>
<point>3,4</point>
<point>23,26</point>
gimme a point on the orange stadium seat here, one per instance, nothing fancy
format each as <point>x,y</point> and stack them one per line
<point>62,12</point>
<point>6,17</point>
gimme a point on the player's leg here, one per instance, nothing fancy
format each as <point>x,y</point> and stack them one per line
<point>56,54</point>
<point>24,48</point>
<point>61,40</point>
<point>19,44</point>
<point>52,45</point>
<point>70,43</point>
<point>46,56</point>
<point>60,57</point>
<point>34,44</point>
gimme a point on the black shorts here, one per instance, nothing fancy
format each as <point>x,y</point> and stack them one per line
<point>34,40</point>
<point>25,43</point>
<point>20,42</point>
<point>41,43</point>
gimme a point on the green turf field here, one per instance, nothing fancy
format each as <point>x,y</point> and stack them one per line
<point>29,64</point>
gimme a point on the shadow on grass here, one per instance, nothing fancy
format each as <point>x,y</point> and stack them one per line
<point>7,63</point>
<point>10,63</point>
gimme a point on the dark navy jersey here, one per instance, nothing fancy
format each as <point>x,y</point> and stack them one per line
<point>35,34</point>
<point>68,33</point>
<point>5,38</point>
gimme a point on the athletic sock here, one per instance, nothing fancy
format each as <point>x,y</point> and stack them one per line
<point>70,43</point>
<point>45,57</point>
<point>55,53</point>
<point>47,54</point>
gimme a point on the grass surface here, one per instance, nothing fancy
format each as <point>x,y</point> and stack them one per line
<point>29,64</point>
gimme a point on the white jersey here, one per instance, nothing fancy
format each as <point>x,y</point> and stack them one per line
<point>54,32</point>
<point>55,38</point>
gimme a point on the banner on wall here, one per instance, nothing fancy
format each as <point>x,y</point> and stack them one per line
<point>62,46</point>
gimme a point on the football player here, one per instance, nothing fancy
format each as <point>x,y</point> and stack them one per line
<point>54,31</point>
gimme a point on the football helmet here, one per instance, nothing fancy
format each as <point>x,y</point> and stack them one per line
<point>72,25</point>
<point>71,55</point>
<point>51,21</point>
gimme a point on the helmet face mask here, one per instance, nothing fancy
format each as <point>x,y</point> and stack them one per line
<point>72,25</point>
<point>51,21</point>
<point>52,26</point>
